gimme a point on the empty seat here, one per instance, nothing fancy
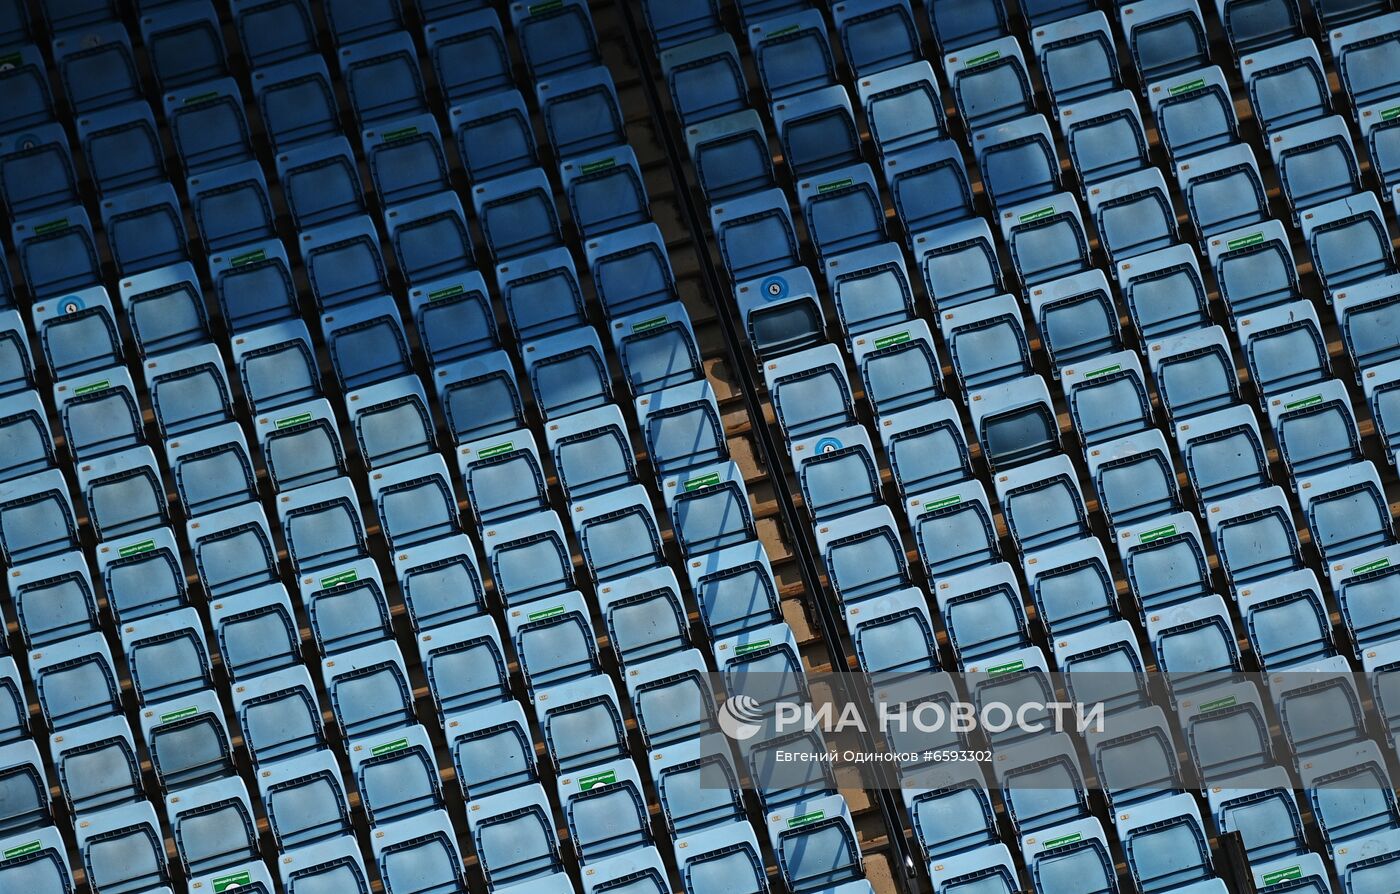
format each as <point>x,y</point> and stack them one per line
<point>1164,292</point>
<point>187,741</point>
<point>1072,588</point>
<point>990,82</point>
<point>1134,214</point>
<point>1105,137</point>
<point>1254,536</point>
<point>297,103</point>
<point>1224,454</point>
<point>123,493</point>
<point>406,159</point>
<point>415,501</point>
<point>303,447</point>
<point>493,135</point>
<point>479,396</point>
<point>842,211</point>
<point>189,390</point>
<point>1195,112</point>
<point>53,599</point>
<point>1015,422</point>
<point>468,53</point>
<point>1107,397</point>
<point>709,509</point>
<point>557,39</point>
<point>1166,845</point>
<point>14,703</point>
<point>1364,594</point>
<point>817,131</point>
<point>1077,57</point>
<point>930,189</point>
<point>322,524</point>
<point>1194,372</point>
<point>1381,394</point>
<point>1317,163</point>
<point>454,318</point>
<point>491,749</point>
<point>1046,239</point>
<point>142,574</point>
<point>344,263</point>
<point>185,45</point>
<point>529,557</point>
<point>1366,52</point>
<point>810,391</point>
<point>100,415</point>
<point>1077,318</point>
<point>1315,429</point>
<point>657,348</point>
<point>1165,39</point>
<point>734,589</point>
<point>605,191</point>
<point>1350,794</point>
<point>278,715</point>
<point>902,105</point>
<point>1041,504</point>
<point>419,855</point>
<point>254,287</point>
<point>792,54</point>
<point>382,79</point>
<point>321,182</point>
<point>391,421</point>
<point>25,436</point>
<point>503,474</point>
<point>256,632</point>
<point>274,32</point>
<point>465,666</point>
<point>957,23</point>
<point>730,155</point>
<point>581,112</point>
<point>1018,161</point>
<point>1284,349</point>
<point>36,172</point>
<point>97,766</point>
<point>899,367</point>
<point>25,787</point>
<point>591,451</point>
<point>1347,511</point>
<point>369,689</point>
<point>816,854</point>
<point>233,549</point>
<point>397,777</point>
<point>1287,85</point>
<point>1135,479</point>
<point>165,309</point>
<point>123,849</point>
<point>36,518</point>
<point>863,554</point>
<point>16,366</point>
<point>782,312</point>
<point>513,833</point>
<point>985,617</point>
<point>1254,267</point>
<point>78,333</point>
<point>617,533</point>
<point>25,80</point>
<point>517,214</point>
<point>208,126</point>
<point>645,616</point>
<point>304,800</point>
<point>678,23</point>
<point>987,341</point>
<point>1073,856</point>
<point>567,373</point>
<point>98,70</point>
<point>1364,312</point>
<point>1223,190</point>
<point>213,825</point>
<point>926,447</point>
<point>960,263</point>
<point>347,608</point>
<point>57,255</point>
<point>631,270</point>
<point>705,78</point>
<point>1349,240</point>
<point>876,36</point>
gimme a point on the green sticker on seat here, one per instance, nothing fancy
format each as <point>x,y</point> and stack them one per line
<point>348,576</point>
<point>1103,371</point>
<point>236,880</point>
<point>601,164</point>
<point>200,97</point>
<point>22,850</point>
<point>804,819</point>
<point>1157,534</point>
<point>92,388</point>
<point>1371,566</point>
<point>144,546</point>
<point>1226,702</point>
<point>401,133</point>
<point>888,341</point>
<point>754,646</point>
<point>248,257</point>
<point>787,29</point>
<point>703,481</point>
<point>942,503</point>
<point>1064,839</point>
<point>10,59</point>
<point>546,6</point>
<point>1282,875</point>
<point>180,714</point>
<point>545,613</point>
<point>834,185</point>
<point>1390,114</point>
<point>593,780</point>
<point>387,747</point>
<point>1009,667</point>
<point>1305,402</point>
<point>1188,87</point>
<point>288,421</point>
<point>52,226</point>
<point>1039,214</point>
<point>447,292</point>
<point>645,325</point>
<point>1245,241</point>
<point>983,59</point>
<point>496,450</point>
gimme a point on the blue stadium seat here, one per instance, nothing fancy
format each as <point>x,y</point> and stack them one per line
<point>167,656</point>
<point>1254,267</point>
<point>730,154</point>
<point>645,616</point>
<point>605,191</point>
<point>1267,817</point>
<point>123,493</point>
<point>1072,588</point>
<point>296,102</point>
<point>953,529</point>
<point>782,312</point>
<point>58,256</point>
<point>232,549</point>
<point>902,105</point>
<point>145,229</point>
<point>1347,511</point>
<point>617,533</point>
<point>396,776</point>
<point>657,348</point>
<point>513,834</point>
<point>987,341</point>
<point>1223,453</point>
<point>1254,536</point>
<point>1041,504</point>
<point>189,390</point>
<point>1223,190</point>
<point>541,294</point>
<point>430,238</point>
<point>351,21</point>
<point>491,749</point>
<point>816,854</point>
<point>983,612</point>
<point>734,589</point>
<point>764,664</point>
<point>1195,112</point>
<point>142,575</point>
<point>1379,133</point>
<point>1287,85</point>
<point>465,666</point>
<point>959,23</point>
<point>415,501</point>
<point>1194,372</point>
<point>123,849</point>
<point>1076,318</point>
<point>1315,429</point>
<point>347,608</point>
<point>1135,756</point>
<point>817,131</point>
<point>925,447</point>
<point>606,812</point>
<point>1105,137</point>
<point>676,23</point>
<point>640,869</point>
<point>842,211</point>
<point>810,391</point>
<point>187,741</point>
<point>254,287</point>
<point>1316,163</point>
<point>100,414</point>
<point>276,366</point>
<point>493,135</point>
<point>1164,292</point>
<point>1258,24</point>
<point>591,453</point>
<point>53,599</point>
<point>705,78</point>
<point>1042,784</point>
<point>1134,214</point>
<point>567,373</point>
<point>335,863</point>
<point>26,85</point>
<point>1107,397</point>
<point>369,690</point>
<point>97,766</point>
<point>419,855</point>
<point>581,112</point>
<point>454,318</point>
<point>304,800</point>
<point>1018,161</point>
<point>42,865</point>
<point>1365,587</point>
<point>876,35</point>
<point>1284,349</point>
<point>272,32</point>
<point>440,582</point>
<point>988,867</point>
<point>503,476</point>
<point>184,44</point>
<point>517,214</point>
<point>405,158</point>
<point>899,367</point>
<point>1135,479</point>
<point>863,555</point>
<point>24,433</point>
<point>529,558</point>
<point>1382,391</point>
<point>36,518</point>
<point>15,27</point>
<point>208,126</point>
<point>1166,845</point>
<point>322,525</point>
<point>555,39</point>
<point>709,509</point>
<point>1072,857</point>
<point>1165,39</point>
<point>213,826</point>
<point>391,421</point>
<point>1046,239</point>
<point>469,55</point>
<point>25,787</point>
<point>1077,58</point>
<point>960,263</point>
<point>631,270</point>
<point>367,343</point>
<point>1365,312</point>
<point>1350,795</point>
<point>36,171</point>
<point>343,263</point>
<point>582,723</point>
<point>930,189</point>
<point>1365,52</point>
<point>479,396</point>
<point>1320,716</point>
<point>256,633</point>
<point>1348,241</point>
<point>792,54</point>
<point>990,82</point>
<point>165,309</point>
<point>1015,422</point>
<point>78,333</point>
<point>382,79</point>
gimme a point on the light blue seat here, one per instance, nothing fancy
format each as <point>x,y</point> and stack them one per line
<point>953,529</point>
<point>493,135</point>
<point>1223,453</point>
<point>842,211</point>
<point>1046,239</point>
<point>430,238</point>
<point>1364,588</point>
<point>817,131</point>
<point>605,191</point>
<point>513,833</point>
<point>503,476</point>
<point>1349,241</point>
<point>36,518</point>
<point>709,509</point>
<point>1320,716</point>
<point>1072,587</point>
<point>16,366</point>
<point>415,501</point>
<point>1135,758</point>
<point>863,554</point>
<point>990,81</point>
<point>382,79</point>
<point>896,639</point>
<point>782,312</point>
<point>208,125</point>
<point>1264,810</point>
<point>792,54</point>
<point>97,766</point>
<point>1316,163</point>
<point>1254,25</point>
<point>781,786</point>
<point>1104,666</point>
<point>1195,112</point>
<point>987,340</point>
<point>231,207</point>
<point>491,749</point>
<point>1194,373</point>
<point>1315,429</point>
<point>1107,397</point>
<point>1223,190</point>
<point>1347,511</point>
<point>396,775</point>
<point>1042,784</point>
<point>53,599</point>
<point>639,871</point>
<point>899,367</point>
<point>278,715</point>
<point>167,656</point>
<point>213,825</point>
<point>1072,857</point>
<point>705,78</point>
<point>468,53</point>
<point>925,447</point>
<point>453,318</point>
<point>420,856</point>
<point>78,333</point>
<point>817,854</point>
<point>465,666</point>
<point>1287,85</point>
<point>331,865</point>
<point>1164,292</point>
<point>631,270</point>
<point>1254,536</point>
<point>1133,214</point>
<point>529,558</point>
<point>1077,57</point>
<point>391,421</point>
<point>592,455</point>
<point>1077,318</point>
<point>555,40</point>
<point>36,172</point>
<point>24,434</point>
<point>734,590</point>
<point>142,574</point>
<point>297,102</point>
<point>618,534</point>
<point>731,155</point>
<point>256,632</point>
<point>42,867</point>
<point>1365,874</point>
<point>1166,846</point>
<point>987,870</point>
<point>321,182</point>
<point>1284,349</point>
<point>1015,422</point>
<point>1365,311</point>
<point>479,396</point>
<point>810,391</point>
<point>1350,794</point>
<point>567,373</point>
<point>100,414</point>
<point>123,493</point>
<point>657,348</point>
<point>958,23</point>
<point>1194,639</point>
<point>369,690</point>
<point>763,664</point>
<point>1135,479</point>
<point>1254,267</point>
<point>554,640</point>
<point>25,787</point>
<point>1165,39</point>
<point>697,785</point>
<point>187,741</point>
<point>606,812</point>
<point>1105,137</point>
<point>517,214</point>
<point>347,608</point>
<point>837,473</point>
<point>984,614</point>
<point>302,447</point>
<point>582,723</point>
<point>405,158</point>
<point>902,103</point>
<point>57,252</point>
<point>1365,52</point>
<point>876,35</point>
<point>930,189</point>
<point>254,288</point>
<point>1018,161</point>
<point>322,525</point>
<point>950,811</point>
<point>645,616</point>
<point>123,849</point>
<point>581,112</point>
<point>165,309</point>
<point>189,390</point>
<point>344,263</point>
<point>755,234</point>
<point>1041,504</point>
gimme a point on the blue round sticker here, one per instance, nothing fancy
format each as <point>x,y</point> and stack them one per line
<point>828,445</point>
<point>775,288</point>
<point>71,304</point>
